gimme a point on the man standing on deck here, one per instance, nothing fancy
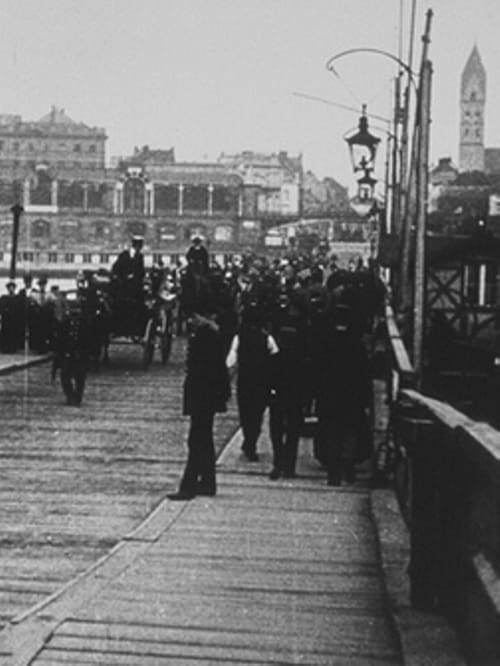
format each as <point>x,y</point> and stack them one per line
<point>206,392</point>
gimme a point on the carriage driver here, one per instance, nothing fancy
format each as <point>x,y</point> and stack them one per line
<point>128,269</point>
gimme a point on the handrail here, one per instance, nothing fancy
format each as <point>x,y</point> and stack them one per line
<point>446,475</point>
<point>453,465</point>
<point>400,358</point>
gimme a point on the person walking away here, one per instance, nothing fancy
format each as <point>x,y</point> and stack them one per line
<point>288,382</point>
<point>251,351</point>
<point>343,394</point>
<point>206,392</point>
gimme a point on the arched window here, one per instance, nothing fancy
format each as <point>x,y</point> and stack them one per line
<point>40,229</point>
<point>40,194</point>
<point>133,195</point>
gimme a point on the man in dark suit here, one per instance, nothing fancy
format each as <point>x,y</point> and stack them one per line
<point>343,393</point>
<point>206,392</point>
<point>72,350</point>
<point>9,316</point>
<point>197,257</point>
<point>128,269</point>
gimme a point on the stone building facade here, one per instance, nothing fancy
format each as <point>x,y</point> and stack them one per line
<point>54,140</point>
<point>272,183</point>
<point>79,213</point>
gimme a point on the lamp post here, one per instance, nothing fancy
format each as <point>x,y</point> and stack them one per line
<point>16,211</point>
<point>411,188</point>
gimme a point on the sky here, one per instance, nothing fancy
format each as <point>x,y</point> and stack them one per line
<point>213,76</point>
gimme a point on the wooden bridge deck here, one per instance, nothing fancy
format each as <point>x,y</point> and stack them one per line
<point>282,572</point>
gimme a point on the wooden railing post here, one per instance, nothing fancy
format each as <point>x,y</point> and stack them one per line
<point>418,433</point>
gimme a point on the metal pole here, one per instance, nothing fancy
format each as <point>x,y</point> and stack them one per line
<point>409,176</point>
<point>16,210</point>
<point>395,203</point>
<point>423,177</point>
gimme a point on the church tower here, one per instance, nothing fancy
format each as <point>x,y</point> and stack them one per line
<point>472,102</point>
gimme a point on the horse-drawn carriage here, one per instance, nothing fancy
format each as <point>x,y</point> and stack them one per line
<point>126,312</point>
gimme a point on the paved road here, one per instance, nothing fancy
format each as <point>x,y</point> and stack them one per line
<point>73,481</point>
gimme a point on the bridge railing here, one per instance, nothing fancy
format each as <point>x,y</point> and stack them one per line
<point>452,506</point>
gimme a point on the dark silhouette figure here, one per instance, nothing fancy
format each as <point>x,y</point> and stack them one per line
<point>288,384</point>
<point>197,257</point>
<point>343,394</point>
<point>9,317</point>
<point>72,350</point>
<point>206,392</point>
<point>251,350</point>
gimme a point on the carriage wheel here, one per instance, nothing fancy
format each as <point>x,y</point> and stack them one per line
<point>148,345</point>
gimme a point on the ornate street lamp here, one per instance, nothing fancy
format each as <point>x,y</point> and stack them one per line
<point>362,145</point>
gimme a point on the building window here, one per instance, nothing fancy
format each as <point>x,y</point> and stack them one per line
<point>1,145</point>
<point>52,258</point>
<point>77,148</point>
<point>87,258</point>
<point>104,258</point>
<point>27,256</point>
<point>157,259</point>
<point>92,148</point>
<point>69,257</point>
<point>223,234</point>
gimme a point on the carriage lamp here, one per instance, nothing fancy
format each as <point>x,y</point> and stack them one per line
<point>362,145</point>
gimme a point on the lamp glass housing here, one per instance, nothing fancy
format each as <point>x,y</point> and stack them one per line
<point>362,146</point>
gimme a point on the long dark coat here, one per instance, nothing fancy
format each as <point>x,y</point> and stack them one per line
<point>206,386</point>
<point>342,373</point>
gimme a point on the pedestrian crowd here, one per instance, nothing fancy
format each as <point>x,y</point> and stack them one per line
<point>296,333</point>
<point>27,316</point>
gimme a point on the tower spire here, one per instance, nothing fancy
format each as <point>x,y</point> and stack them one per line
<point>472,104</point>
